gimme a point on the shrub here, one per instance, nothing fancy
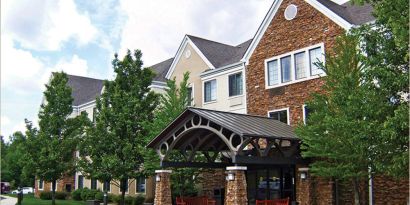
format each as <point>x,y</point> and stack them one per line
<point>76,194</point>
<point>139,200</point>
<point>129,200</point>
<point>99,196</point>
<point>45,195</point>
<point>61,195</point>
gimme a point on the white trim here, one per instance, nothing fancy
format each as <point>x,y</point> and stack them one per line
<point>293,79</point>
<point>245,91</point>
<point>303,169</point>
<point>163,171</point>
<point>261,30</point>
<point>236,69</point>
<point>282,109</point>
<point>158,86</point>
<point>272,12</point>
<point>179,53</point>
<point>216,71</point>
<point>330,14</point>
<point>233,168</point>
<point>235,73</point>
<point>145,186</point>
<point>203,92</point>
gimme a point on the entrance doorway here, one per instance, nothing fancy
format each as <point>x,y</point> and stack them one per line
<point>270,183</point>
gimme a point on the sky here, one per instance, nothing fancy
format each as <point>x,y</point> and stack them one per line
<point>81,37</point>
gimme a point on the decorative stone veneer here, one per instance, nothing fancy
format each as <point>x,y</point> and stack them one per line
<point>389,191</point>
<point>212,179</point>
<point>236,190</point>
<point>163,188</point>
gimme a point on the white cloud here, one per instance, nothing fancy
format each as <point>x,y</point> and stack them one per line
<point>74,66</point>
<point>157,27</point>
<point>46,24</point>
<point>5,121</point>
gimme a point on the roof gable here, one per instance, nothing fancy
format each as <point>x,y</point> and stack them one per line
<point>84,89</point>
<point>161,69</point>
<point>345,15</point>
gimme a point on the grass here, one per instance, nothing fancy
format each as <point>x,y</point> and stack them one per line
<point>29,199</point>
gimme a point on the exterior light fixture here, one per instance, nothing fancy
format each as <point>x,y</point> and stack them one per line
<point>230,177</point>
<point>303,173</point>
<point>157,178</point>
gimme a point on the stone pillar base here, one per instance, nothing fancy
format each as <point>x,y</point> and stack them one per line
<point>163,187</point>
<point>236,190</point>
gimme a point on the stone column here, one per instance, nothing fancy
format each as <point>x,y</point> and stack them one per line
<point>235,192</point>
<point>163,187</point>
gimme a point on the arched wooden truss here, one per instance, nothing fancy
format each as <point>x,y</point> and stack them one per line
<point>210,138</point>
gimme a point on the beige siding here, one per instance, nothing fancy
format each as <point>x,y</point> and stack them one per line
<point>195,65</point>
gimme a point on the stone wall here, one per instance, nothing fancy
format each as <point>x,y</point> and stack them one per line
<point>163,188</point>
<point>389,191</point>
<point>212,179</point>
<point>236,192</point>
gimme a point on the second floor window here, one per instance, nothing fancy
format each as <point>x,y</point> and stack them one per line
<point>210,91</point>
<point>80,181</point>
<point>93,183</point>
<point>235,84</point>
<point>189,96</point>
<point>281,115</point>
<point>294,66</point>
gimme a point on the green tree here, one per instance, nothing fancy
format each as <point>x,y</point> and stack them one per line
<point>125,104</point>
<point>50,149</point>
<point>13,162</point>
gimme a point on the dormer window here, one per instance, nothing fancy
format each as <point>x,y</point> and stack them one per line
<point>294,66</point>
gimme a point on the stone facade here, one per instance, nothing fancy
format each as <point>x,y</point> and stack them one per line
<point>236,192</point>
<point>163,188</point>
<point>389,191</point>
<point>212,179</point>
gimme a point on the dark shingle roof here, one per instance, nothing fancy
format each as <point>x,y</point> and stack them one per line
<point>161,69</point>
<point>84,89</point>
<point>241,124</point>
<point>352,13</point>
<point>220,54</point>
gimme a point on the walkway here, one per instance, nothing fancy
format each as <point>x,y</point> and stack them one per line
<point>7,200</point>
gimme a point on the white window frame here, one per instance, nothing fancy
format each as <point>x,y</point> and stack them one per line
<point>282,109</point>
<point>243,84</point>
<point>102,186</point>
<point>79,181</point>
<point>293,69</point>
<point>38,185</point>
<point>145,185</point>
<point>128,186</point>
<point>203,91</point>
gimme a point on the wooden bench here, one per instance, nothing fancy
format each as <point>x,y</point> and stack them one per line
<point>273,202</point>
<point>199,200</point>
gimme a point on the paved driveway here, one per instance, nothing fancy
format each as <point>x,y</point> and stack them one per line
<point>6,200</point>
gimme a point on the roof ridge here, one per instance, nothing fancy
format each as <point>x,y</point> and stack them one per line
<point>258,116</point>
<point>210,40</point>
<point>78,76</point>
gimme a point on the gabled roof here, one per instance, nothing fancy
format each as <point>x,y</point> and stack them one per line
<point>352,13</point>
<point>84,89</point>
<point>220,54</point>
<point>161,69</point>
<point>345,15</point>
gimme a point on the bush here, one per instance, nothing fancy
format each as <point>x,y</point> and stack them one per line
<point>88,194</point>
<point>99,196</point>
<point>129,200</point>
<point>61,195</point>
<point>139,200</point>
<point>45,195</point>
<point>76,195</point>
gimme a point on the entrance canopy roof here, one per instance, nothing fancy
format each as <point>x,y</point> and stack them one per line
<point>201,135</point>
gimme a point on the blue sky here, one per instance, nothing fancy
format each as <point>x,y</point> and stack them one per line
<point>81,37</point>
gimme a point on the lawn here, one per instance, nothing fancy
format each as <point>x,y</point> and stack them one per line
<point>29,199</point>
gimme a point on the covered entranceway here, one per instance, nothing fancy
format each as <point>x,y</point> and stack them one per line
<point>259,154</point>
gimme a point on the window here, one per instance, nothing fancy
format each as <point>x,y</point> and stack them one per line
<point>80,181</point>
<point>210,91</point>
<point>94,113</point>
<point>40,184</point>
<point>300,65</point>
<point>124,183</point>
<point>306,113</point>
<point>286,69</point>
<point>281,115</point>
<point>294,66</point>
<point>315,56</point>
<point>235,84</point>
<point>273,72</point>
<point>107,186</point>
<point>93,183</point>
<point>140,185</point>
<point>189,96</point>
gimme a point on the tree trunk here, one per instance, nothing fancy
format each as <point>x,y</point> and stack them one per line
<point>53,193</point>
<point>356,192</point>
<point>122,196</point>
<point>123,184</point>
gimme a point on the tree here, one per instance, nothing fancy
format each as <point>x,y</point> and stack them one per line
<point>50,149</point>
<point>13,162</point>
<point>124,106</point>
